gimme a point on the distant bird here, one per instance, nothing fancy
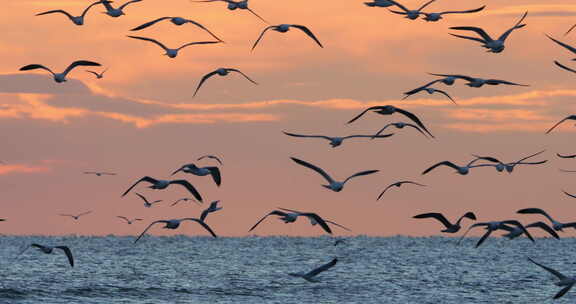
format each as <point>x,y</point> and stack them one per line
<point>214,157</point>
<point>76,217</point>
<point>98,75</point>
<point>379,3</point>
<point>462,170</point>
<point>160,184</point>
<point>186,199</point>
<point>129,222</point>
<point>450,228</point>
<point>290,216</point>
<point>493,46</point>
<point>571,117</point>
<point>398,184</point>
<point>283,28</point>
<point>60,77</point>
<point>514,232</point>
<point>564,45</point>
<point>147,203</point>
<point>213,208</point>
<point>50,250</point>
<point>564,67</point>
<point>493,226</point>
<point>172,53</point>
<point>99,173</point>
<point>429,91</point>
<point>175,223</point>
<point>78,20</point>
<point>221,72</point>
<point>400,125</point>
<point>569,30</point>
<point>337,141</point>
<point>566,156</point>
<point>410,14</point>
<point>310,275</point>
<point>478,82</point>
<point>333,185</point>
<point>389,110</point>
<point>232,5</point>
<point>202,171</point>
<point>176,21</point>
<point>555,224</point>
<point>433,17</point>
<point>500,166</point>
<point>117,12</point>
<point>568,194</point>
<point>563,281</point>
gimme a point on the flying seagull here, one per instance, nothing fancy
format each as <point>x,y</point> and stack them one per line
<point>116,12</point>
<point>379,3</point>
<point>221,72</point>
<point>213,208</point>
<point>232,5</point>
<point>50,250</point>
<point>400,125</point>
<point>60,77</point>
<point>514,232</point>
<point>98,75</point>
<point>450,228</point>
<point>337,141</point>
<point>290,216</point>
<point>398,184</point>
<point>160,184</point>
<point>389,110</point>
<point>410,14</point>
<point>555,224</point>
<point>478,82</point>
<point>128,221</point>
<point>186,199</point>
<point>462,170</point>
<point>493,226</point>
<point>493,46</point>
<point>172,53</point>
<point>571,117</point>
<point>176,21</point>
<point>202,171</point>
<point>214,157</point>
<point>563,281</point>
<point>99,173</point>
<point>175,223</point>
<point>147,203</point>
<point>500,166</point>
<point>283,28</point>
<point>76,217</point>
<point>437,16</point>
<point>333,185</point>
<point>78,20</point>
<point>429,91</point>
<point>310,275</point>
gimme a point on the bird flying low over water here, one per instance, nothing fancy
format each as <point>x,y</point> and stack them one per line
<point>175,223</point>
<point>493,46</point>
<point>128,221</point>
<point>450,228</point>
<point>564,45</point>
<point>160,184</point>
<point>76,217</point>
<point>555,224</point>
<point>147,203</point>
<point>212,208</point>
<point>98,75</point>
<point>564,67</point>
<point>493,226</point>
<point>410,14</point>
<point>50,250</point>
<point>514,232</point>
<point>337,141</point>
<point>116,12</point>
<point>475,82</point>
<point>570,29</point>
<point>60,77</point>
<point>571,117</point>
<point>221,72</point>
<point>389,110</point>
<point>563,281</point>
<point>232,5</point>
<point>309,276</point>
<point>290,216</point>
<point>78,20</point>
<point>172,53</point>
<point>176,21</point>
<point>202,171</point>
<point>333,185</point>
<point>283,28</point>
<point>433,17</point>
<point>399,125</point>
<point>214,157</point>
<point>398,184</point>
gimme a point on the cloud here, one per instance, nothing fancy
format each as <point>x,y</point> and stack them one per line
<point>21,168</point>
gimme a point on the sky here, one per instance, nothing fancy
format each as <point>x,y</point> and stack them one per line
<point>141,118</point>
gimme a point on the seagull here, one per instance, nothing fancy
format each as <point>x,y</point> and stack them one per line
<point>571,117</point>
<point>98,75</point>
<point>563,281</point>
<point>186,199</point>
<point>76,217</point>
<point>147,203</point>
<point>429,91</point>
<point>203,171</point>
<point>175,223</point>
<point>232,5</point>
<point>78,20</point>
<point>379,3</point>
<point>566,156</point>
<point>221,72</point>
<point>176,21</point>
<point>569,30</point>
<point>564,67</point>
<point>50,250</point>
<point>555,224</point>
<point>450,228</point>
<point>479,82</point>
<point>283,28</point>
<point>460,170</point>
<point>129,222</point>
<point>398,184</point>
<point>310,275</point>
<point>116,12</point>
<point>564,45</point>
<point>172,53</point>
<point>389,110</point>
<point>514,232</point>
<point>216,158</point>
<point>160,184</point>
<point>99,173</point>
<point>410,14</point>
<point>213,208</point>
<point>437,16</point>
<point>337,141</point>
<point>500,166</point>
<point>493,46</point>
<point>333,185</point>
<point>60,77</point>
<point>400,125</point>
<point>313,222</point>
<point>493,226</point>
<point>291,216</point>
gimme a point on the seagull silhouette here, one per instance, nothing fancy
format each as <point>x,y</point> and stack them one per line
<point>50,250</point>
<point>389,110</point>
<point>233,5</point>
<point>76,217</point>
<point>450,228</point>
<point>202,171</point>
<point>172,53</point>
<point>175,223</point>
<point>60,77</point>
<point>176,21</point>
<point>283,28</point>
<point>337,141</point>
<point>398,184</point>
<point>290,216</point>
<point>78,20</point>
<point>221,72</point>
<point>116,12</point>
<point>160,184</point>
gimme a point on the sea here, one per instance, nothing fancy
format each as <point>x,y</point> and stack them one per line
<point>183,269</point>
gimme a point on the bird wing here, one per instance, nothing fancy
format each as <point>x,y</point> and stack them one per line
<point>142,197</point>
<point>425,5</point>
<point>308,32</point>
<point>416,127</point>
<point>212,157</point>
<point>90,6</point>
<point>418,89</point>
<point>544,227</point>
<point>464,12</point>
<point>438,216</point>
<point>322,268</point>
<point>262,35</point>
<point>147,24</point>
<point>364,112</point>
<point>35,66</point>
<point>68,253</point>
<point>79,63</point>
<point>150,40</point>
<point>558,123</point>
<point>275,212</point>
<point>70,215</point>
<point>483,238</point>
<point>144,179</point>
<point>204,28</point>
<point>124,218</point>
<point>318,220</point>
<point>498,81</point>
<point>563,291</point>
<point>385,189</point>
<point>565,156</point>
<point>470,228</point>
<point>529,156</point>
<point>216,176</point>
<point>469,215</point>
<point>516,26</point>
<point>535,211</point>
<point>254,13</point>
<point>402,7</point>
<point>467,78</point>
<point>127,3</point>
<point>569,30</point>
<point>362,173</point>
<point>445,94</point>
<point>468,37</point>
<point>443,163</point>
<point>415,119</point>
<point>176,202</point>
<point>311,136</point>
<point>95,74</point>
<point>488,158</point>
<point>550,270</point>
<point>519,225</point>
<point>245,76</point>
<point>188,186</point>
<point>204,78</point>
<point>57,11</point>
<point>144,232</point>
<point>477,30</point>
<point>84,213</point>
<point>198,43</point>
<point>180,169</point>
<point>311,166</point>
<point>331,222</point>
<point>571,195</point>
<point>564,67</point>
<point>201,224</point>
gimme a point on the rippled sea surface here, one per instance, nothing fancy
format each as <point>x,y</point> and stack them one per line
<point>184,269</point>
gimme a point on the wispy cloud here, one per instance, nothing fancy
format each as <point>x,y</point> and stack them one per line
<point>21,168</point>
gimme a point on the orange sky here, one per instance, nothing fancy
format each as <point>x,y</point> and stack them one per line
<point>141,118</point>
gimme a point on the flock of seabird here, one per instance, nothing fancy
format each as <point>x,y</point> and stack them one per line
<point>512,227</point>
